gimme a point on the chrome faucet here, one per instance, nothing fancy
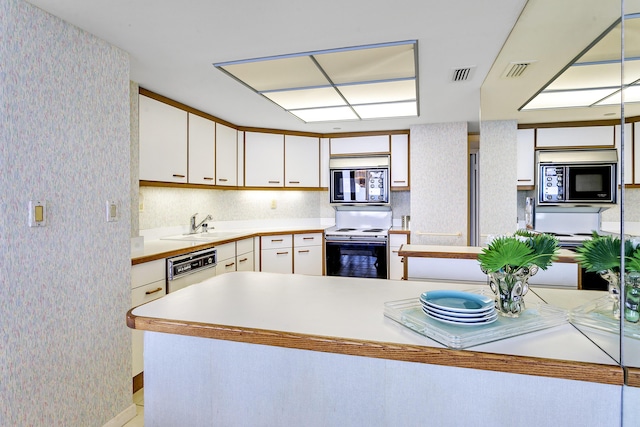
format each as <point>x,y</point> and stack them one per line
<point>193,228</point>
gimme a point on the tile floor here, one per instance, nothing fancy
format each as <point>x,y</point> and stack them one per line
<point>138,399</point>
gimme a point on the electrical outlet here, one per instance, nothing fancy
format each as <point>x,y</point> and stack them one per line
<point>274,204</point>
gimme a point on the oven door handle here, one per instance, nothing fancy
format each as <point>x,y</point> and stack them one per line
<point>359,242</point>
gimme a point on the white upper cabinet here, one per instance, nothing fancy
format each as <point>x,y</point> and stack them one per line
<point>226,155</point>
<point>399,161</point>
<point>301,161</point>
<point>359,145</point>
<point>628,153</point>
<point>264,159</point>
<point>575,136</point>
<point>526,157</point>
<point>163,141</point>
<point>202,135</point>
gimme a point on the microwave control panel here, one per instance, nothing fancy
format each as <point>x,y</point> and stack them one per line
<point>552,184</point>
<point>376,185</point>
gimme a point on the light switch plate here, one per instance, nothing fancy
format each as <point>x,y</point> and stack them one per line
<point>37,213</point>
<point>112,211</point>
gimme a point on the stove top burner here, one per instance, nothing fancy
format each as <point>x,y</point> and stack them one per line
<point>346,229</point>
<point>373,230</point>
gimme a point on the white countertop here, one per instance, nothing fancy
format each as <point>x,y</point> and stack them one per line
<point>348,308</point>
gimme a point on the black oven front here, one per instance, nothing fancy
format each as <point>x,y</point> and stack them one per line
<point>356,258</point>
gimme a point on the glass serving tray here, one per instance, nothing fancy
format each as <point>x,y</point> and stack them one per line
<point>537,316</point>
<point>598,314</point>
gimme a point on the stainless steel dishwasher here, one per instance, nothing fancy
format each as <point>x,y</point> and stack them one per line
<point>189,269</point>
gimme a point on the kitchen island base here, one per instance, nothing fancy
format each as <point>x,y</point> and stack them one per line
<point>202,382</point>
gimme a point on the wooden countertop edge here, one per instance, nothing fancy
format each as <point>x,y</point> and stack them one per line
<point>632,376</point>
<point>579,371</point>
<point>186,250</point>
<point>461,255</point>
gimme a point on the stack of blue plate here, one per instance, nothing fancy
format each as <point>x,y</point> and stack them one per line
<point>459,308</point>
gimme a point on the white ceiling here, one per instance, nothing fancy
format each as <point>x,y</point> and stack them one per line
<point>172,46</point>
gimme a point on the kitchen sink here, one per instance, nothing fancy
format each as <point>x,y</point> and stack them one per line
<point>209,236</point>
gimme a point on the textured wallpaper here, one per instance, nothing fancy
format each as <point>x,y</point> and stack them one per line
<point>498,178</point>
<point>65,351</point>
<point>439,204</point>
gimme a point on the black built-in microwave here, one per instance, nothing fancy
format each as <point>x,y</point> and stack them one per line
<point>359,180</point>
<point>589,177</point>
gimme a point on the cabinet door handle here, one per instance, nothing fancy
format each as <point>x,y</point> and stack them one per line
<point>208,178</point>
<point>308,238</point>
<point>274,182</point>
<point>243,260</point>
<point>303,251</point>
<point>294,182</point>
<point>395,252</point>
<point>153,292</point>
<point>276,240</point>
<point>223,179</point>
<point>231,264</point>
<point>282,253</point>
<point>398,182</point>
<point>177,175</point>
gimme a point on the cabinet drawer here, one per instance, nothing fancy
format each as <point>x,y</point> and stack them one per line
<point>274,242</point>
<point>277,260</point>
<point>311,239</point>
<point>226,266</point>
<point>244,262</point>
<point>228,250</point>
<point>147,272</point>
<point>148,292</point>
<point>244,246</point>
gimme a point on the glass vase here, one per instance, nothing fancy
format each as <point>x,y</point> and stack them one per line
<point>613,279</point>
<point>632,297</point>
<point>509,287</point>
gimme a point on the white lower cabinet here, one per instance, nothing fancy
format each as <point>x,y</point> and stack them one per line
<point>307,254</point>
<point>276,254</point>
<point>245,257</point>
<point>148,282</point>
<point>225,258</point>
<point>396,266</point>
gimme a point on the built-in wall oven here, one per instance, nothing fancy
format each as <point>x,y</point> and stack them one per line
<point>358,245</point>
<point>189,269</point>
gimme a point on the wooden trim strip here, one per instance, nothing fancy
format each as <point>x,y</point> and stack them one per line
<point>579,371</point>
<point>463,255</point>
<point>632,376</point>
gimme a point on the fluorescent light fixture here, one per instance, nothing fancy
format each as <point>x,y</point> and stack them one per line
<point>594,79</point>
<point>392,109</point>
<point>631,94</point>
<point>329,114</point>
<point>378,80</point>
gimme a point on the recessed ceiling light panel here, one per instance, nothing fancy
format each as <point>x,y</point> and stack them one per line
<point>300,83</point>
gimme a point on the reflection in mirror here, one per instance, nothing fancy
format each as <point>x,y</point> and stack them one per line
<point>630,205</point>
<point>558,79</point>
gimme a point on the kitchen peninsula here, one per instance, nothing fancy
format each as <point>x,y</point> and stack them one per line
<point>252,348</point>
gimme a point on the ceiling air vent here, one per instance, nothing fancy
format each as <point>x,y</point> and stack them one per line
<point>517,69</point>
<point>462,74</point>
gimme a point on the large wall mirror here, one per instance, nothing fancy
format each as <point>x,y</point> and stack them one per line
<point>563,66</point>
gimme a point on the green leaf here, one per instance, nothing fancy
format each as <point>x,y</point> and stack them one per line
<point>600,253</point>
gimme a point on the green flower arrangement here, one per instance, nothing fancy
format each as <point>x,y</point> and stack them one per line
<point>523,248</point>
<point>602,253</point>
